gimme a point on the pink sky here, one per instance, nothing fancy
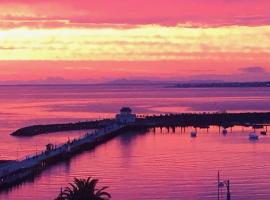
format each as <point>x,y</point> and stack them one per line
<point>97,40</point>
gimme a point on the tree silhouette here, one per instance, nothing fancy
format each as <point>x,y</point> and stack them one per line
<point>84,189</point>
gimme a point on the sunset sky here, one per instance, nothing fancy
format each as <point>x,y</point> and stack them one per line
<point>98,40</point>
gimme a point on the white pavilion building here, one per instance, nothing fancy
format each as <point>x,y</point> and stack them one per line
<point>125,116</point>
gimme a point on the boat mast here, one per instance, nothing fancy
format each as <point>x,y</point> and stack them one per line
<point>218,184</point>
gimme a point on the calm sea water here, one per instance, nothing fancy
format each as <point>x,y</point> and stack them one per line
<point>151,165</point>
<point>167,165</point>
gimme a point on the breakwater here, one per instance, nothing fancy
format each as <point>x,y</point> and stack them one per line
<point>202,120</point>
<point>41,129</point>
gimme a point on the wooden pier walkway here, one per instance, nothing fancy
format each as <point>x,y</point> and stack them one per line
<point>17,171</point>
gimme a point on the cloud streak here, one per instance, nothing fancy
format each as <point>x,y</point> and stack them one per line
<point>210,13</point>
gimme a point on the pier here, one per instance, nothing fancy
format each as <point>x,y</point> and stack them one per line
<point>17,171</point>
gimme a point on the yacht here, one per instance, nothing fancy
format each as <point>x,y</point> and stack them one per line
<point>193,134</point>
<point>253,136</point>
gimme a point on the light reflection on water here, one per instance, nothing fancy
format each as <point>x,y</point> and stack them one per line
<point>165,165</point>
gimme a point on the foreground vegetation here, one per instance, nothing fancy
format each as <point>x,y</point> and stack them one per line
<point>84,189</point>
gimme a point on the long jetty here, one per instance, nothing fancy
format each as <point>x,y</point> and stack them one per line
<point>18,171</point>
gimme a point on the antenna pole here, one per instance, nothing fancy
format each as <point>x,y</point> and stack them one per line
<point>218,184</point>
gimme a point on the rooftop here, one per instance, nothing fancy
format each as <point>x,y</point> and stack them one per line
<point>125,109</point>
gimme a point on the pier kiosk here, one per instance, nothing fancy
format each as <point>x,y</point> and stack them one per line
<point>125,116</point>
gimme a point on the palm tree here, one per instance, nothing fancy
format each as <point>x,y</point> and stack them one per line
<point>83,189</point>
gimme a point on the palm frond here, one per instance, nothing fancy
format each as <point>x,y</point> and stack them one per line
<point>84,189</point>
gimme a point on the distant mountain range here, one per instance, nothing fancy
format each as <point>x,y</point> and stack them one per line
<point>62,81</point>
<point>141,82</point>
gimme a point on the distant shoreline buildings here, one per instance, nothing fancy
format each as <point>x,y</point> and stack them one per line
<point>223,84</point>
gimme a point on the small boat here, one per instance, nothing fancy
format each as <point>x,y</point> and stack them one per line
<point>253,136</point>
<point>224,131</point>
<point>193,134</point>
<point>263,132</point>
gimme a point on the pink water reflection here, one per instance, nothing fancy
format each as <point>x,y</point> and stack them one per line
<point>159,165</point>
<point>165,165</point>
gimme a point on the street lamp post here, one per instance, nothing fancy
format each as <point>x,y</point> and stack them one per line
<point>222,184</point>
<point>227,183</point>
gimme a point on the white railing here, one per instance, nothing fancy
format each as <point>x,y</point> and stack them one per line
<point>33,160</point>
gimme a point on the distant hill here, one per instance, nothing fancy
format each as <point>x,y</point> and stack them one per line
<point>138,82</point>
<point>153,82</point>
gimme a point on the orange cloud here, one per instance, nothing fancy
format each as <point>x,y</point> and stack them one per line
<point>141,43</point>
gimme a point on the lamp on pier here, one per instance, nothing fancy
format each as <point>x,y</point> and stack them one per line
<point>222,184</point>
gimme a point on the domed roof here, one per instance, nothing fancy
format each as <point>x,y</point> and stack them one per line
<point>125,109</point>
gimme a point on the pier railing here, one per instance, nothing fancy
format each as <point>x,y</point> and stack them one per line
<point>31,161</point>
